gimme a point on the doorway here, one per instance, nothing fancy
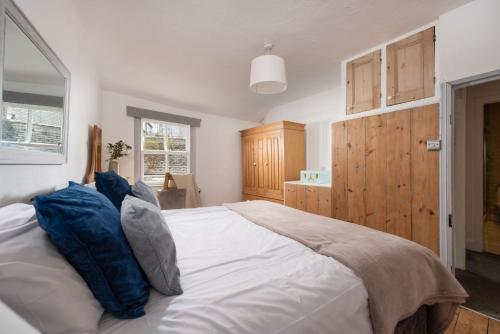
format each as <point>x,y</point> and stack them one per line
<point>476,194</point>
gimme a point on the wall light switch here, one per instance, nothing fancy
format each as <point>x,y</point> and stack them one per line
<point>433,145</point>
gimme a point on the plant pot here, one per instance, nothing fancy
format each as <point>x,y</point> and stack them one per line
<point>114,166</point>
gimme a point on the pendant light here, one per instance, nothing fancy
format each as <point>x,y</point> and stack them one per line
<point>267,73</point>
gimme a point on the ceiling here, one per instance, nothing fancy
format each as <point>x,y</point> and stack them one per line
<point>196,53</point>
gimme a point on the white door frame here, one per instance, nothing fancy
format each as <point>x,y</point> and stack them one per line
<point>446,158</point>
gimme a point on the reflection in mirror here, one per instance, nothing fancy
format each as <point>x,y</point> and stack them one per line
<point>32,114</point>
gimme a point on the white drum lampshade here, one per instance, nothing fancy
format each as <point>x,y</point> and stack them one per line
<point>267,74</point>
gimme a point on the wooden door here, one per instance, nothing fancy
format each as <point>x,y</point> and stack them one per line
<point>356,171</point>
<point>425,177</point>
<point>312,199</point>
<point>291,195</point>
<point>410,68</point>
<point>301,198</point>
<point>398,149</point>
<point>375,174</point>
<point>392,180</point>
<point>325,201</point>
<point>492,175</point>
<point>249,165</point>
<point>273,175</point>
<point>339,171</point>
<point>363,83</point>
<point>260,168</point>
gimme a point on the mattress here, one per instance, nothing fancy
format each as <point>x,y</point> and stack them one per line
<point>239,277</point>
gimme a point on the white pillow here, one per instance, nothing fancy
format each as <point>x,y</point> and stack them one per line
<point>14,215</point>
<point>37,282</point>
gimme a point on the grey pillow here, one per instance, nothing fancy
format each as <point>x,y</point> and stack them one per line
<point>143,191</point>
<point>153,246</point>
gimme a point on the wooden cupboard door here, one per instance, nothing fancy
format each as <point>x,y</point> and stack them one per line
<point>425,177</point>
<point>312,199</point>
<point>291,195</point>
<point>376,191</point>
<point>249,165</point>
<point>363,83</point>
<point>410,68</point>
<point>339,171</point>
<point>356,171</point>
<point>398,174</point>
<point>261,169</point>
<point>301,198</point>
<point>325,201</point>
<point>273,160</point>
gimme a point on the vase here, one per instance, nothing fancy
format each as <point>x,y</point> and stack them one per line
<point>114,166</point>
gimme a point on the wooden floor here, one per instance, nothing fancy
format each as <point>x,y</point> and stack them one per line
<point>470,322</point>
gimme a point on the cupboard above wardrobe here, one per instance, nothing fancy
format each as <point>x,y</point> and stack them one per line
<point>272,154</point>
<point>410,74</point>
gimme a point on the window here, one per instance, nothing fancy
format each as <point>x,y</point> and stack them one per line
<point>165,148</point>
<point>32,126</point>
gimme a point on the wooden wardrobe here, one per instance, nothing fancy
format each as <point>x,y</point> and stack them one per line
<point>272,154</point>
<point>385,177</point>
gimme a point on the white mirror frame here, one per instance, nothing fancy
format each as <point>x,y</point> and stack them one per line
<point>17,156</point>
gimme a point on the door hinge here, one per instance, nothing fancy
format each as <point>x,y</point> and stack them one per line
<point>450,221</point>
<point>434,80</point>
<point>434,38</point>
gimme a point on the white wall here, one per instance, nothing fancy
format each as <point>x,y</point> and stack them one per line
<point>470,40</point>
<point>58,23</point>
<point>316,111</point>
<point>218,145</point>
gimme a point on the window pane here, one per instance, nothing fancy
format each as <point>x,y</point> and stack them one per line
<point>177,163</point>
<point>154,167</point>
<point>46,126</point>
<point>32,127</point>
<point>177,130</point>
<point>153,136</point>
<point>15,124</point>
<point>171,141</point>
<point>177,144</point>
<point>154,143</point>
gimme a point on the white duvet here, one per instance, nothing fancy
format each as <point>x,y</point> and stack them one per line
<point>241,278</point>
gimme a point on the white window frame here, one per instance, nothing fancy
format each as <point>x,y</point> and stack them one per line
<point>166,152</point>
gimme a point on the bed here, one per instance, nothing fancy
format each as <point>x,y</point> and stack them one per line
<point>239,277</point>
<point>248,267</point>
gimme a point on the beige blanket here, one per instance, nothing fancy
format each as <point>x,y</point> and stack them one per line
<point>399,275</point>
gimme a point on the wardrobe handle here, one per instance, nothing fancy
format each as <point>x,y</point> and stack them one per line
<point>255,164</point>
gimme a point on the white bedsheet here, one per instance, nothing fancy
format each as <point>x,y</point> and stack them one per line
<point>241,278</point>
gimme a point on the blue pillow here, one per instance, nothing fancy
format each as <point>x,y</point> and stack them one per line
<point>113,186</point>
<point>85,227</point>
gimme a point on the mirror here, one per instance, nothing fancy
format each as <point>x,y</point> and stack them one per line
<point>34,93</point>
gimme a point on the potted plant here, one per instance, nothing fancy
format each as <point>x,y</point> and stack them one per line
<point>116,151</point>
